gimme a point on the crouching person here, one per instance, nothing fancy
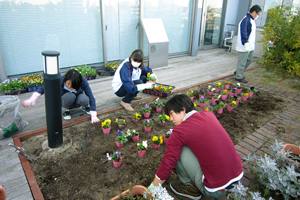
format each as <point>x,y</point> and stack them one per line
<point>75,92</point>
<point>201,150</point>
<point>130,78</point>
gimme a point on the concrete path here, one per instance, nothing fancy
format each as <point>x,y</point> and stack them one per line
<point>180,72</point>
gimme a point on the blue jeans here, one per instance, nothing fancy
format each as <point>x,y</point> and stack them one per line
<point>127,96</point>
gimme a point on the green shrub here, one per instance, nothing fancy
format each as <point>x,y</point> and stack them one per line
<point>282,29</point>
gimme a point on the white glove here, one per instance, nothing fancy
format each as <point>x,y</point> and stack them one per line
<point>31,101</point>
<point>149,85</point>
<point>153,75</point>
<point>141,87</point>
<point>94,118</point>
<point>247,47</point>
<point>151,187</point>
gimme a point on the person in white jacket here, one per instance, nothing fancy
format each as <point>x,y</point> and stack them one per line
<point>130,78</point>
<point>246,42</point>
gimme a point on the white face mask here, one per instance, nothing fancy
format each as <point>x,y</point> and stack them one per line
<point>256,18</point>
<point>135,64</point>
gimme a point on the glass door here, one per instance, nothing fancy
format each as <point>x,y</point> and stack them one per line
<point>122,30</point>
<point>211,23</point>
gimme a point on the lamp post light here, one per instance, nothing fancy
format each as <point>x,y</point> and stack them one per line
<point>53,99</point>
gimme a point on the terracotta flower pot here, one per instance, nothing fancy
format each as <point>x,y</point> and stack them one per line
<point>136,138</point>
<point>117,164</point>
<point>213,100</point>
<point>293,149</point>
<point>147,115</point>
<point>224,97</point>
<point>231,94</point>
<point>135,190</point>
<point>229,108</point>
<point>155,146</point>
<point>244,98</point>
<point>106,131</point>
<point>226,87</point>
<point>118,144</point>
<point>209,93</point>
<point>121,126</point>
<point>148,129</point>
<point>142,153</point>
<point>135,120</point>
<point>163,124</point>
<point>217,89</point>
<point>165,139</point>
<point>192,98</point>
<point>202,105</point>
<point>158,109</point>
<point>239,91</point>
<point>200,95</point>
<point>220,111</point>
<point>250,94</point>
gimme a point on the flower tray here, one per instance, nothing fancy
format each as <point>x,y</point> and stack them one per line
<point>157,93</point>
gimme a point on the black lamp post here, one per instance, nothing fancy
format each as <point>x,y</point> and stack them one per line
<point>53,99</point>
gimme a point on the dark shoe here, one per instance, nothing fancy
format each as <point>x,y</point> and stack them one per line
<point>190,191</point>
<point>234,72</point>
<point>243,80</point>
<point>86,109</point>
<point>66,115</point>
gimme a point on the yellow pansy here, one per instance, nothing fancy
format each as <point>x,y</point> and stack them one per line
<point>192,91</point>
<point>170,88</point>
<point>206,109</point>
<point>116,120</point>
<point>195,105</point>
<point>161,139</point>
<point>155,138</point>
<point>233,102</point>
<point>148,74</point>
<point>246,94</point>
<point>103,124</point>
<point>167,117</point>
<point>225,91</point>
<point>218,83</point>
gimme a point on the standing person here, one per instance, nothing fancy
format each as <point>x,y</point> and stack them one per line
<point>130,78</point>
<point>246,42</point>
<point>201,150</point>
<point>75,92</point>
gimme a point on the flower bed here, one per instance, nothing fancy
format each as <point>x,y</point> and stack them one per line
<point>74,174</point>
<point>161,90</point>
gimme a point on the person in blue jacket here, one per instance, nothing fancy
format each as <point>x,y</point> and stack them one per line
<point>246,42</point>
<point>75,92</point>
<point>130,78</point>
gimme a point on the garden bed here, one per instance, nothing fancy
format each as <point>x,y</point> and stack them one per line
<point>74,174</point>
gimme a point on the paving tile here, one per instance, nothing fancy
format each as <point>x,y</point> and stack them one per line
<point>253,143</point>
<point>27,196</point>
<point>245,181</point>
<point>242,149</point>
<point>18,192</point>
<point>257,140</point>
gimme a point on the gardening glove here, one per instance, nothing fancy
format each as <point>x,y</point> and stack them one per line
<point>149,85</point>
<point>141,87</point>
<point>94,118</point>
<point>31,101</point>
<point>247,47</point>
<point>153,75</point>
<point>151,187</point>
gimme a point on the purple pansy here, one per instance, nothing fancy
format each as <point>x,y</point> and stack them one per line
<point>147,121</point>
<point>234,89</point>
<point>251,88</point>
<point>120,132</point>
<point>147,106</point>
<point>212,105</point>
<point>118,154</point>
<point>201,98</point>
<point>217,102</point>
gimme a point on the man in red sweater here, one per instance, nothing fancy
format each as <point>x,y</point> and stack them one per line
<point>201,150</point>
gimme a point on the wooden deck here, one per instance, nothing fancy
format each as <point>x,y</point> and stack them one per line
<point>180,72</point>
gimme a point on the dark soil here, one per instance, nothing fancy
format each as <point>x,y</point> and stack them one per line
<point>74,174</point>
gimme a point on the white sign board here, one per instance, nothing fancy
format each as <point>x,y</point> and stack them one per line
<point>155,30</point>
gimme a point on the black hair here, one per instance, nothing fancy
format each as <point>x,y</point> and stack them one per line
<point>255,8</point>
<point>178,103</point>
<point>75,77</point>
<point>137,56</point>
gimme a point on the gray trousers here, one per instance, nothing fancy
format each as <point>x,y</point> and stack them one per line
<point>70,100</point>
<point>244,60</point>
<point>189,171</point>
